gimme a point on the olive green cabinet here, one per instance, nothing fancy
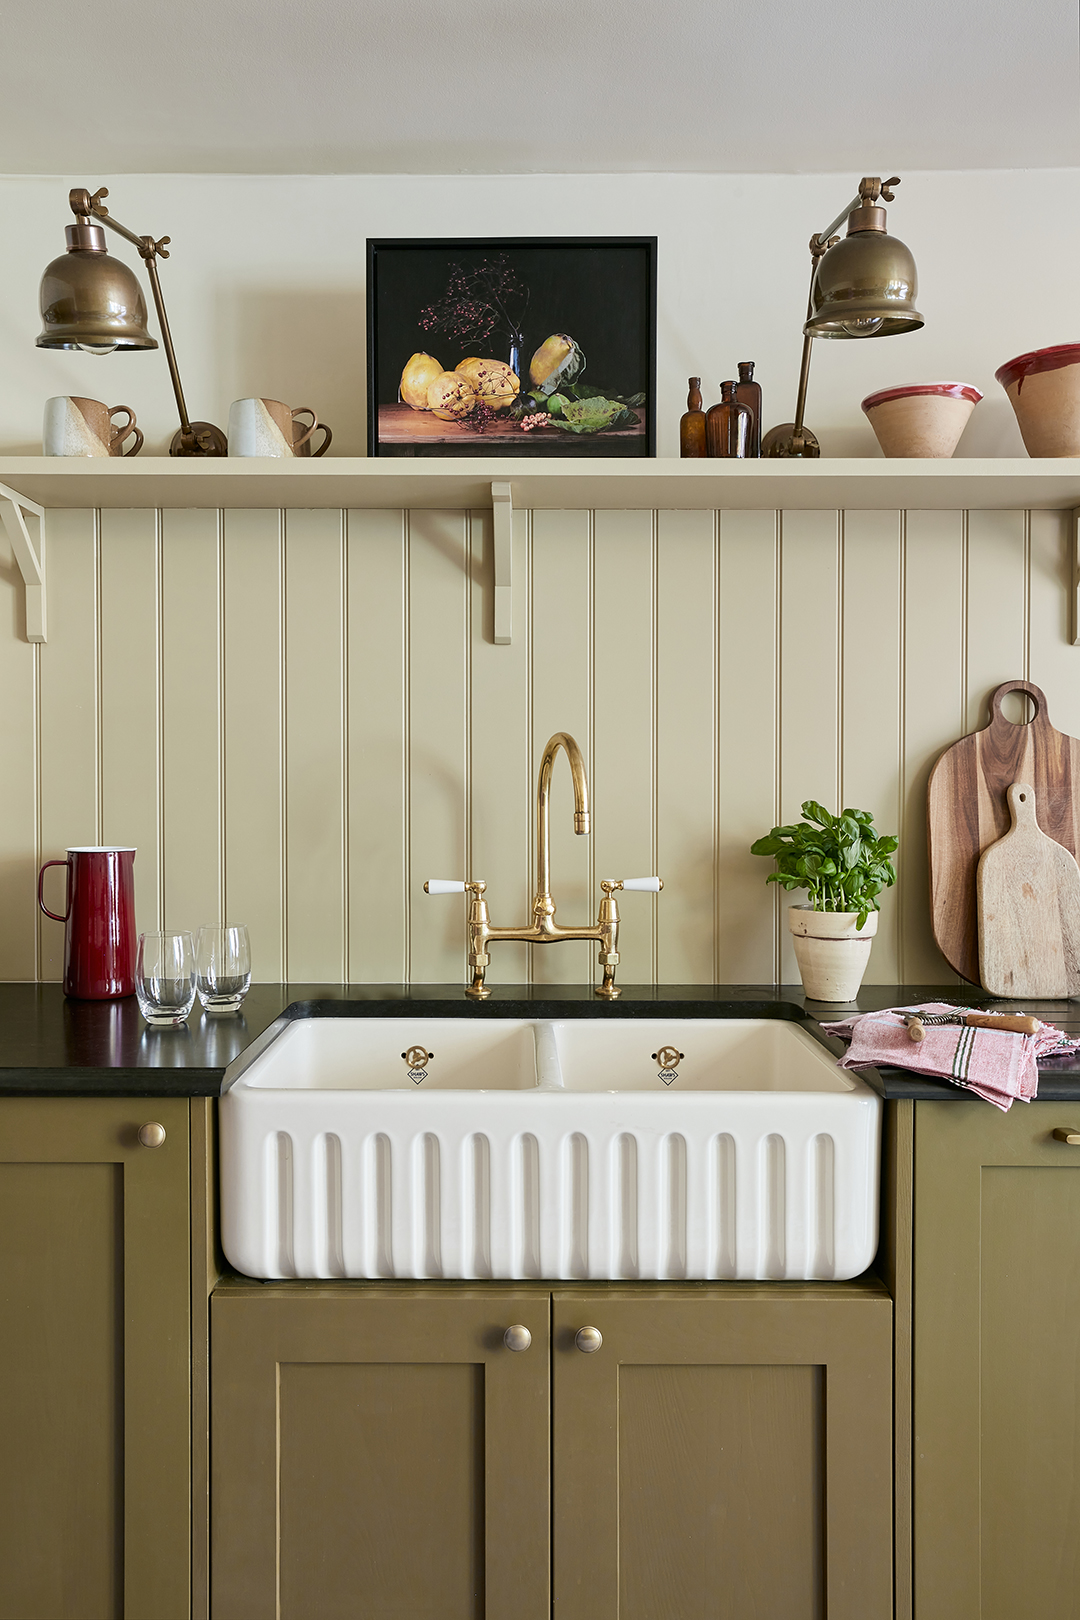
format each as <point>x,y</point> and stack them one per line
<point>725,1451</point>
<point>95,1347</point>
<point>996,1446</point>
<point>378,1453</point>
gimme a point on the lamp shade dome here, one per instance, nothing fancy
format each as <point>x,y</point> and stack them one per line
<point>865,286</point>
<point>92,301</point>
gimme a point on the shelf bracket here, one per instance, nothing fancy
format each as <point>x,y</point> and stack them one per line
<point>502,506</point>
<point>15,509</point>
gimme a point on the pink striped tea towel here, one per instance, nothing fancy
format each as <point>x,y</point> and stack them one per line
<point>996,1064</point>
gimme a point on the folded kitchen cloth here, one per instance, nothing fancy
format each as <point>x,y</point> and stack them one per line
<point>996,1064</point>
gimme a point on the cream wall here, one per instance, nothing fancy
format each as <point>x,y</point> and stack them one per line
<point>265,285</point>
<point>297,718</point>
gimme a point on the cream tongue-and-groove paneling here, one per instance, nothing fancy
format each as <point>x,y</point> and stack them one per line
<point>299,716</point>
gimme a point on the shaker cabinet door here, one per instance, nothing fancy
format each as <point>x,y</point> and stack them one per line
<point>726,1451</point>
<point>996,1462</point>
<point>378,1452</point>
<point>95,1485</point>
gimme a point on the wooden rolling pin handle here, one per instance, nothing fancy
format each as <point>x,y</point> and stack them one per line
<point>1012,1024</point>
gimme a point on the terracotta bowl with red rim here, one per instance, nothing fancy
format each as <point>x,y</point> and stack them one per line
<point>1044,389</point>
<point>921,419</point>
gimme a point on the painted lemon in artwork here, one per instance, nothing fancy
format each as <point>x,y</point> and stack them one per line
<point>558,360</point>
<point>494,381</point>
<point>419,374</point>
<point>451,396</point>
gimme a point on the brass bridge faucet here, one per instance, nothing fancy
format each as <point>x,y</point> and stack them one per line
<point>544,929</point>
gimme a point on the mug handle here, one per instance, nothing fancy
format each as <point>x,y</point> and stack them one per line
<point>41,896</point>
<point>120,432</point>
<point>304,437</point>
<point>324,447</point>
<point>137,446</point>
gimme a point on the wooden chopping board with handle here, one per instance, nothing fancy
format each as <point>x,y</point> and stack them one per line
<point>967,811</point>
<point>1029,909</point>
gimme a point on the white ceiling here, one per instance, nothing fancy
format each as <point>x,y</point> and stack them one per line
<point>524,86</point>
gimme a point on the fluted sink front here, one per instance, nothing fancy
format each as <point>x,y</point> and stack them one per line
<point>518,1148</point>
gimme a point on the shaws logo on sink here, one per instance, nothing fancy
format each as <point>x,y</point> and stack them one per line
<point>669,1058</point>
<point>417,1058</point>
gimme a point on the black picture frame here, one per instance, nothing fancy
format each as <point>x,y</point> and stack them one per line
<point>605,286</point>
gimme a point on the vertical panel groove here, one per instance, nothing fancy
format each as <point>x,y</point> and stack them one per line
<point>841,558</point>
<point>159,751</point>
<point>778,726</point>
<point>654,738</point>
<point>283,742</point>
<point>99,678</point>
<point>346,752</point>
<point>222,844</point>
<point>901,829</point>
<point>714,742</point>
<point>406,733</point>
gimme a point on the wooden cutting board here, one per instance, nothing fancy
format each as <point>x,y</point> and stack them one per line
<point>1029,909</point>
<point>967,811</point>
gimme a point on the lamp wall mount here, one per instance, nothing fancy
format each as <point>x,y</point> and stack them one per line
<point>19,516</point>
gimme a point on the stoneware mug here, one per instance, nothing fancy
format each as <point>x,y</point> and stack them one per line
<point>85,427</point>
<point>267,427</point>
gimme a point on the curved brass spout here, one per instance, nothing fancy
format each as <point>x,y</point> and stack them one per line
<point>561,739</point>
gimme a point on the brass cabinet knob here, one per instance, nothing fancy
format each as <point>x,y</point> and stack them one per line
<point>517,1337</point>
<point>152,1134</point>
<point>588,1340</point>
<point>1070,1136</point>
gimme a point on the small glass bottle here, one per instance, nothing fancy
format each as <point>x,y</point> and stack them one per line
<point>692,425</point>
<point>728,426</point>
<point>748,392</point>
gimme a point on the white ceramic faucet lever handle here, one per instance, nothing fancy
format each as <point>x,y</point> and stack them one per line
<point>443,886</point>
<point>651,885</point>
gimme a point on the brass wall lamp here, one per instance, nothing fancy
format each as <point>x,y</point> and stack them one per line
<point>93,302</point>
<point>863,285</point>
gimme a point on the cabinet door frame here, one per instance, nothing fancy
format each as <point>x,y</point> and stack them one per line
<point>844,1328</point>
<point>256,1327</point>
<point>156,1319</point>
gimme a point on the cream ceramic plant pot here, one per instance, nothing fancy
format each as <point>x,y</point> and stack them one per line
<point>1044,391</point>
<point>921,419</point>
<point>831,950</point>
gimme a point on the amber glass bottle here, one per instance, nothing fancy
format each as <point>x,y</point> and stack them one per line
<point>748,392</point>
<point>728,425</point>
<point>692,425</point>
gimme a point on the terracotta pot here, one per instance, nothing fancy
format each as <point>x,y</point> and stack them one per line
<point>921,419</point>
<point>1044,390</point>
<point>831,950</point>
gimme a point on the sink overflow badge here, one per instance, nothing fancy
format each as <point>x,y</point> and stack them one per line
<point>417,1057</point>
<point>669,1058</point>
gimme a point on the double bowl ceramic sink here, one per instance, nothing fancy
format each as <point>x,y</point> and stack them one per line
<point>590,1148</point>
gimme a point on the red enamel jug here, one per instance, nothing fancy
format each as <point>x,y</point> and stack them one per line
<point>99,919</point>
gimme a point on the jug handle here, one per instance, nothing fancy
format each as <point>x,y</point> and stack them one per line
<point>41,897</point>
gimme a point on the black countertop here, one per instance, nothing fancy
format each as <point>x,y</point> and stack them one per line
<point>54,1047</point>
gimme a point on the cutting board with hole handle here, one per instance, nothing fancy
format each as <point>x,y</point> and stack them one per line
<point>967,811</point>
<point>1029,909</point>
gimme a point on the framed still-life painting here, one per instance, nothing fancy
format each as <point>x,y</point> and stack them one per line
<point>515,346</point>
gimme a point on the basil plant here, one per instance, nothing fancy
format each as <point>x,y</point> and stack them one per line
<point>841,861</point>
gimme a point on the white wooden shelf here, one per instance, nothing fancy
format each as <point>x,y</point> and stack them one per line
<point>607,484</point>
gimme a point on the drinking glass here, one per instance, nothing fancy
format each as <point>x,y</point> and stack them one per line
<point>165,978</point>
<point>222,967</point>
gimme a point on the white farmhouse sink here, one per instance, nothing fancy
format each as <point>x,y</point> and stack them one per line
<point>512,1148</point>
